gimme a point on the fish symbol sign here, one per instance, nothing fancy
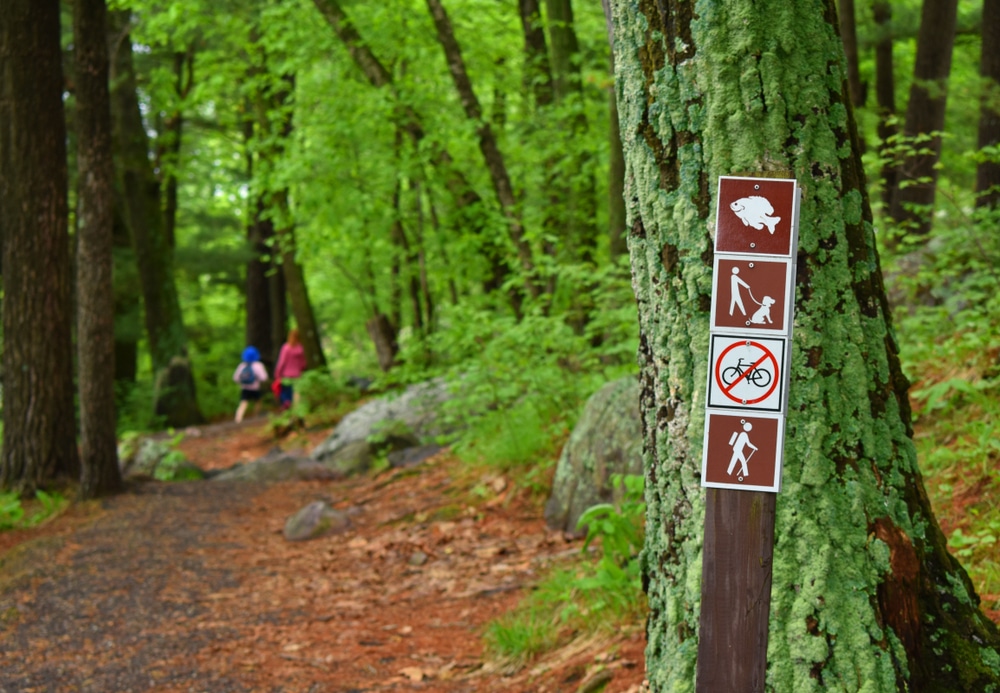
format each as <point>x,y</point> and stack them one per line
<point>756,216</point>
<point>755,211</point>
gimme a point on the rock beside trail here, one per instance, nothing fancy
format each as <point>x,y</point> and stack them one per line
<point>155,458</point>
<point>410,457</point>
<point>278,465</point>
<point>318,519</point>
<point>384,425</point>
<point>606,440</point>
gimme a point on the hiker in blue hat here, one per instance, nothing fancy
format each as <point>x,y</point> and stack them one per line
<point>249,374</point>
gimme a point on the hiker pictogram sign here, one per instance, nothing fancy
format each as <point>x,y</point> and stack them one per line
<point>743,451</point>
<point>756,216</point>
<point>746,373</point>
<point>751,295</point>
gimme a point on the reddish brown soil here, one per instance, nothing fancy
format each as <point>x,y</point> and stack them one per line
<point>192,587</point>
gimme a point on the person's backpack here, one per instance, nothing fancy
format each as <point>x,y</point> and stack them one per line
<point>247,376</point>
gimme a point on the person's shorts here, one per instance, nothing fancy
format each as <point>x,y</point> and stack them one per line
<point>249,395</point>
<point>285,398</point>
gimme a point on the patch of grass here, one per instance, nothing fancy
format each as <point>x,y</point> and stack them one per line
<point>516,638</point>
<point>523,438</point>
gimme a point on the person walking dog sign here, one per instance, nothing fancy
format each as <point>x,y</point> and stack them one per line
<point>753,287</point>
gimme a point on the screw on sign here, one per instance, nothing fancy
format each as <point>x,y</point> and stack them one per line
<point>746,373</point>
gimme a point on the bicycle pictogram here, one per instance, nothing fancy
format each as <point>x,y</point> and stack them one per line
<point>753,374</point>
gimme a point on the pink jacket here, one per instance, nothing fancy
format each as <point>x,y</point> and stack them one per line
<point>291,361</point>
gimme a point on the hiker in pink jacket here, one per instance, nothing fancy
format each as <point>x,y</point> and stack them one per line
<point>291,363</point>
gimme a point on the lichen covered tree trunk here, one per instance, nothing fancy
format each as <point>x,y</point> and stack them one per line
<point>864,595</point>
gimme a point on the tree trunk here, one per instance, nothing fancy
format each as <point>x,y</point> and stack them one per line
<point>39,425</point>
<point>275,122</point>
<point>383,336</point>
<point>885,95</point>
<point>616,182</point>
<point>169,149</point>
<point>988,172</point>
<point>618,246</point>
<point>849,37</point>
<point>487,144</point>
<point>128,306</point>
<point>913,199</point>
<point>95,241</point>
<point>295,284</point>
<point>864,592</point>
<point>581,205</point>
<point>174,388</point>
<point>261,271</point>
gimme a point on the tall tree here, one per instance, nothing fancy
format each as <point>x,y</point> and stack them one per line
<point>849,35</point>
<point>988,171</point>
<point>95,289</point>
<point>616,159</point>
<point>885,94</point>
<point>864,592</point>
<point>39,431</point>
<point>275,128</point>
<point>467,200</point>
<point>567,83</point>
<point>266,301</point>
<point>175,397</point>
<point>492,155</point>
<point>916,182</point>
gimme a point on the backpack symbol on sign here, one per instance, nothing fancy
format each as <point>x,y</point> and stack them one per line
<point>247,376</point>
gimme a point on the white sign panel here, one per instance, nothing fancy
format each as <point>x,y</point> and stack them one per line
<point>747,373</point>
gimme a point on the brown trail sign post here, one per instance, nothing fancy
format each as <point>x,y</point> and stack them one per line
<point>756,240</point>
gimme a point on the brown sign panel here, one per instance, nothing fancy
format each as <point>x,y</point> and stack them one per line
<point>751,295</point>
<point>743,452</point>
<point>755,215</point>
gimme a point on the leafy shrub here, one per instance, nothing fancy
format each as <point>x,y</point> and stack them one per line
<point>14,516</point>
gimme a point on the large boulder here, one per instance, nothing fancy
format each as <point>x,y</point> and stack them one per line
<point>607,440</point>
<point>391,423</point>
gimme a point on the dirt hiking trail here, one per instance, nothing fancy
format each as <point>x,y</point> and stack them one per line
<point>192,587</point>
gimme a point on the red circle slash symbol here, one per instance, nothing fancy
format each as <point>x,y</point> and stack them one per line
<point>727,379</point>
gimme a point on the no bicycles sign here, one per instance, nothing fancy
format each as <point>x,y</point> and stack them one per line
<point>752,308</point>
<point>747,373</point>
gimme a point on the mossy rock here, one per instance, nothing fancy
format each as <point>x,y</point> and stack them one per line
<point>607,440</point>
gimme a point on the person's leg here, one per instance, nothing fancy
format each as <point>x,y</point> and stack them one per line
<point>241,410</point>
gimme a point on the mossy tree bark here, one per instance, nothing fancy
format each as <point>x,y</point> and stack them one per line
<point>39,425</point>
<point>865,595</point>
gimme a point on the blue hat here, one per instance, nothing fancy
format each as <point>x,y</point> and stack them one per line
<point>250,354</point>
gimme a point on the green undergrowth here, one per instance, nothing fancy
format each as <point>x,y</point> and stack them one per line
<point>948,327</point>
<point>16,513</point>
<point>598,591</point>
